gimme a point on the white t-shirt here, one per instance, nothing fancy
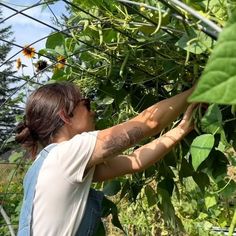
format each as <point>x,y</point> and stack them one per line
<point>62,189</point>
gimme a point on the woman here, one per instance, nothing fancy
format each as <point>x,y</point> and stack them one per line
<point>57,195</point>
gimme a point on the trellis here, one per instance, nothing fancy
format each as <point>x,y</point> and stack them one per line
<point>208,27</point>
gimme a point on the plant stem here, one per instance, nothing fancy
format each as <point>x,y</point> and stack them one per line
<point>233,223</point>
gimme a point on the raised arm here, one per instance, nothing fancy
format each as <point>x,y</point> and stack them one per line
<point>146,155</point>
<point>114,140</point>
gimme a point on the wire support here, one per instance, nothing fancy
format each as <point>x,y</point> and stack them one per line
<point>81,40</point>
<point>112,26</point>
<point>45,69</point>
<point>21,78</point>
<point>87,44</point>
<point>21,11</point>
<point>213,34</point>
<point>194,13</point>
<point>54,15</point>
<point>146,18</point>
<point>22,86</point>
<point>28,16</point>
<point>31,44</point>
<point>40,3</point>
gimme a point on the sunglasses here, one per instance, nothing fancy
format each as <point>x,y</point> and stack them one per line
<point>86,103</point>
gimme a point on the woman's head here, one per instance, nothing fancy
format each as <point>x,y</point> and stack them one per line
<point>43,114</point>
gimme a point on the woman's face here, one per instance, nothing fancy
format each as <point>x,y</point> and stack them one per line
<point>83,119</point>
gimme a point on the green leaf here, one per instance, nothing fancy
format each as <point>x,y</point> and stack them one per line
<point>110,91</point>
<point>202,216</point>
<point>166,171</point>
<point>58,75</point>
<point>147,29</point>
<point>167,184</point>
<point>167,208</point>
<point>195,42</point>
<point>50,53</point>
<point>151,195</point>
<point>229,189</point>
<point>108,207</point>
<point>112,187</point>
<point>200,149</point>
<point>218,82</point>
<point>185,170</point>
<point>210,201</point>
<point>212,120</point>
<point>170,158</point>
<point>149,172</point>
<point>219,165</point>
<point>109,35</point>
<point>55,40</point>
<point>125,189</point>
<point>201,179</point>
<point>101,230</point>
<point>135,189</point>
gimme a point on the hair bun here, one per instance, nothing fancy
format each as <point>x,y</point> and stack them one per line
<point>20,127</point>
<point>26,138</point>
<point>24,135</point>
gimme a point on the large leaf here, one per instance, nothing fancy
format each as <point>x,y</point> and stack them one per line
<point>112,187</point>
<point>210,201</point>
<point>185,170</point>
<point>151,195</point>
<point>195,42</point>
<point>218,82</point>
<point>202,180</point>
<point>167,184</point>
<point>56,41</point>
<point>108,207</point>
<point>212,120</point>
<point>200,149</point>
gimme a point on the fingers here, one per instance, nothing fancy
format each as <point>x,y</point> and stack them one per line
<point>189,111</point>
<point>187,120</point>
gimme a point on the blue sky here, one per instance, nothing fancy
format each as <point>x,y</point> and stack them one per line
<point>27,30</point>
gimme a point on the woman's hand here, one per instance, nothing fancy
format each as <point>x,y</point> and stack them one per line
<point>187,123</point>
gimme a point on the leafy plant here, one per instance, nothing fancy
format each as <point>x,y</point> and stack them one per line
<point>128,56</point>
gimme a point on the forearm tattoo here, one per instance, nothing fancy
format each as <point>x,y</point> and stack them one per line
<point>135,135</point>
<point>116,144</point>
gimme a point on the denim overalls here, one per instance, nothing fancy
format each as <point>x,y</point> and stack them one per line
<point>92,215</point>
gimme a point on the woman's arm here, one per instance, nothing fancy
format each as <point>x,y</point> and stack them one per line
<point>114,140</point>
<point>146,155</point>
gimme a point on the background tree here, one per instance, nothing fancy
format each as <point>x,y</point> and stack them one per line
<point>10,108</point>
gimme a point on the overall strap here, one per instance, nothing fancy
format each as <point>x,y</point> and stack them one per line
<point>30,182</point>
<point>92,214</point>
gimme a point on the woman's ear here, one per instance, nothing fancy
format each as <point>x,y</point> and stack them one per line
<point>64,116</point>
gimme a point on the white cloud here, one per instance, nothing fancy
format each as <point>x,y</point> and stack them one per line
<point>19,19</point>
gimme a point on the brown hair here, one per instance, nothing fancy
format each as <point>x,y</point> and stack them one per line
<point>42,120</point>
